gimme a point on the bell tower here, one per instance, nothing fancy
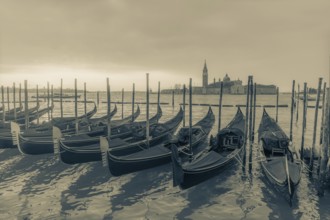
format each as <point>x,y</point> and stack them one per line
<point>205,75</point>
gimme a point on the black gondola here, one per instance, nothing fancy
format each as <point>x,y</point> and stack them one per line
<point>223,150</point>
<point>159,154</point>
<point>72,153</point>
<point>41,142</point>
<point>56,96</point>
<point>20,116</point>
<point>6,137</point>
<point>277,160</point>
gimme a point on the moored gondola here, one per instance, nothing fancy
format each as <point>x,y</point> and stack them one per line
<point>36,142</point>
<point>222,151</point>
<point>72,153</point>
<point>277,159</point>
<point>160,154</point>
<point>6,137</point>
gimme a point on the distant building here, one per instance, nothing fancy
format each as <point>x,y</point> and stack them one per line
<point>229,86</point>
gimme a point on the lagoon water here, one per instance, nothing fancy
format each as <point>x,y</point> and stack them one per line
<point>41,187</point>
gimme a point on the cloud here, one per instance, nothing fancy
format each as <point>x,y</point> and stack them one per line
<point>286,39</point>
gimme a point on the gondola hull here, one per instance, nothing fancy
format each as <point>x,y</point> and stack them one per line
<point>6,140</point>
<point>119,167</point>
<point>194,177</point>
<point>69,156</point>
<point>144,157</point>
<point>36,146</point>
<point>277,160</point>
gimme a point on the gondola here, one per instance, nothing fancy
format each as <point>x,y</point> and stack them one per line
<point>64,122</point>
<point>11,111</point>
<point>20,116</point>
<point>223,150</point>
<point>160,154</point>
<point>56,96</point>
<point>41,142</point>
<point>277,160</point>
<point>6,138</point>
<point>71,153</point>
<point>309,98</point>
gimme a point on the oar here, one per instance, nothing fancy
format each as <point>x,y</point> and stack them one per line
<point>288,179</point>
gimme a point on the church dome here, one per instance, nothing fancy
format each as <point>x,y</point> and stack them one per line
<point>226,78</point>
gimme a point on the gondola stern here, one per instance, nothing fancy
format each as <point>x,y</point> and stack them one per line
<point>176,166</point>
<point>104,146</point>
<point>15,131</point>
<point>57,135</point>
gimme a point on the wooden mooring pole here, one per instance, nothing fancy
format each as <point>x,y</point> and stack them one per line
<point>48,99</point>
<point>303,123</point>
<point>122,103</point>
<point>14,99</point>
<point>85,99</point>
<point>3,104</point>
<point>158,95</point>
<point>133,100</point>
<point>292,108</point>
<point>52,101</point>
<point>184,105</point>
<point>297,106</point>
<point>246,120</point>
<point>325,146</point>
<point>220,105</point>
<point>190,119</point>
<point>254,110</point>
<point>147,108</point>
<point>277,96</point>
<point>76,106</point>
<point>323,110</point>
<point>108,110</point>
<point>61,98</point>
<point>8,104</point>
<point>20,96</point>
<point>311,161</point>
<point>321,130</point>
<point>26,106</point>
<point>98,98</point>
<point>250,123</point>
<point>38,105</point>
<point>173,99</point>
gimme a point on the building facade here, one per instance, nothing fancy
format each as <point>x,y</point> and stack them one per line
<point>234,87</point>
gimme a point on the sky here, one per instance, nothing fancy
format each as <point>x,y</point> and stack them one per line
<point>275,41</point>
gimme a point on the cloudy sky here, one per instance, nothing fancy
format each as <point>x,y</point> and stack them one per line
<point>276,41</point>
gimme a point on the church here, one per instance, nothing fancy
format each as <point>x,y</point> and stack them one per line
<point>233,87</point>
<point>229,86</point>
